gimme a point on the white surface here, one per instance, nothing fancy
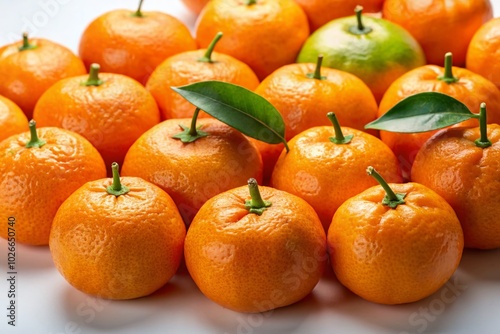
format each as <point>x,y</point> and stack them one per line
<point>47,304</point>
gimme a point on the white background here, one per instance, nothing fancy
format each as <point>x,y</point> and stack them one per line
<point>469,303</point>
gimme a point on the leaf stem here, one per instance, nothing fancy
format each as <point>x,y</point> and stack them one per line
<point>26,44</point>
<point>251,2</point>
<point>116,188</point>
<point>483,142</point>
<point>286,145</point>
<point>34,140</point>
<point>317,70</point>
<point>448,69</point>
<point>339,136</point>
<point>138,12</point>
<point>207,58</point>
<point>192,129</point>
<point>93,79</point>
<point>360,28</point>
<point>256,204</point>
<point>391,198</point>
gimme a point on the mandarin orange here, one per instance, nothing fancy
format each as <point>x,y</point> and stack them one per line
<point>193,66</point>
<point>257,32</point>
<point>395,243</point>
<point>133,43</point>
<point>253,252</point>
<point>463,166</point>
<point>484,48</point>
<point>440,25</point>
<point>119,238</point>
<point>39,169</point>
<point>29,67</point>
<point>111,110</point>
<point>304,93</point>
<point>193,169</point>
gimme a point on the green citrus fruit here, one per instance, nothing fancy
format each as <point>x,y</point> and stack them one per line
<point>375,50</point>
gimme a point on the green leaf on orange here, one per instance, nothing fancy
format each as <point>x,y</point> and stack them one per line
<point>422,112</point>
<point>238,107</point>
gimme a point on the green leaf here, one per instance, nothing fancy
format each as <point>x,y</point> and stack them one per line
<point>422,112</point>
<point>238,107</point>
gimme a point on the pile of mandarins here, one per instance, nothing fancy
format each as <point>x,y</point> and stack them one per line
<point>255,222</point>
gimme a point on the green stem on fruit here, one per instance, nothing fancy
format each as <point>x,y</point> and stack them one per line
<point>339,136</point>
<point>256,205</point>
<point>207,58</point>
<point>93,79</point>
<point>116,188</point>
<point>192,133</point>
<point>360,28</point>
<point>391,199</point>
<point>448,69</point>
<point>34,140</point>
<point>138,12</point>
<point>482,142</point>
<point>192,130</point>
<point>26,44</point>
<point>251,2</point>
<point>317,70</point>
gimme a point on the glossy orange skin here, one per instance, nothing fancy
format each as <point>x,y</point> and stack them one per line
<point>193,172</point>
<point>259,35</point>
<point>251,263</point>
<point>185,68</point>
<point>304,102</point>
<point>326,174</point>
<point>440,26</point>
<point>471,89</point>
<point>195,5</point>
<point>118,247</point>
<point>27,74</point>
<point>12,119</point>
<point>467,177</point>
<point>111,116</point>
<point>484,50</point>
<point>125,44</point>
<point>395,256</point>
<point>35,181</point>
<point>320,12</point>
